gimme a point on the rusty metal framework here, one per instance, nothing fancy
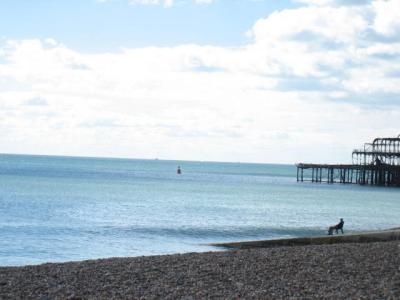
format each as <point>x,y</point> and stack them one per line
<point>382,151</point>
<point>377,163</point>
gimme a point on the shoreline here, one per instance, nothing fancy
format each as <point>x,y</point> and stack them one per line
<point>336,271</point>
<point>352,237</point>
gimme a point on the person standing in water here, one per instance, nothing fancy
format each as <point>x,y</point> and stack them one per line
<point>179,171</point>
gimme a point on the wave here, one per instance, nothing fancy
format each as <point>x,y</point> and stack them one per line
<point>189,232</point>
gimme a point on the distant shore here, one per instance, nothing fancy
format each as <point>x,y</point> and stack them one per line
<point>336,271</point>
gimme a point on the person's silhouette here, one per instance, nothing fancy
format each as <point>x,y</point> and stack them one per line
<point>337,227</point>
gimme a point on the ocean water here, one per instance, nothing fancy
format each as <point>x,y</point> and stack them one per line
<point>66,208</point>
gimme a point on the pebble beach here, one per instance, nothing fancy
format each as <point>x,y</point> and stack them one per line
<point>336,271</point>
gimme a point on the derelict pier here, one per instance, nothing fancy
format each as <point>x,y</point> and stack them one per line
<point>377,163</point>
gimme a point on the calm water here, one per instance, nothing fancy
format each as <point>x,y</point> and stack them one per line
<point>63,208</point>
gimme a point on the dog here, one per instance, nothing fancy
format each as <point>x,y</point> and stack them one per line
<point>337,227</point>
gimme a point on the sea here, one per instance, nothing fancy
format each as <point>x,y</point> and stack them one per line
<point>57,209</point>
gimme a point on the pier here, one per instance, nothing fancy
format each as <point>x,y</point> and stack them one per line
<point>377,164</point>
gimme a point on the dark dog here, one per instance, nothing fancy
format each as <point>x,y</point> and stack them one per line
<point>337,227</point>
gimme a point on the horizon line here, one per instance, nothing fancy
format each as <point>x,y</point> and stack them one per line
<point>148,159</point>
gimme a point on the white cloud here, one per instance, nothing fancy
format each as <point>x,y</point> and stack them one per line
<point>311,78</point>
<point>316,2</point>
<point>334,2</point>
<point>387,21</point>
<point>165,3</point>
<point>339,24</point>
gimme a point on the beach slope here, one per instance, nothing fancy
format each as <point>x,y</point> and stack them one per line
<point>359,237</point>
<point>335,271</point>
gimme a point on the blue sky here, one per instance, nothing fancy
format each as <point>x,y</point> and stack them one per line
<point>241,80</point>
<point>90,25</point>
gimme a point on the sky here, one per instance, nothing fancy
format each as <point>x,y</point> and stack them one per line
<point>210,80</point>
